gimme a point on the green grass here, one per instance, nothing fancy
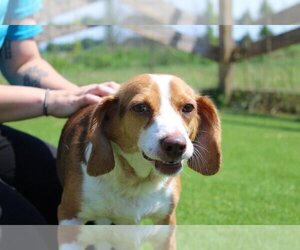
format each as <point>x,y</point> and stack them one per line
<point>259,179</point>
<point>277,71</point>
<point>257,184</point>
<point>199,79</point>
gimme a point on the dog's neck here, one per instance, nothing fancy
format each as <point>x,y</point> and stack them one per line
<point>134,163</point>
<point>134,171</point>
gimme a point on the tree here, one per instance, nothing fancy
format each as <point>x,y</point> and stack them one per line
<point>77,48</point>
<point>265,32</point>
<point>88,43</point>
<point>246,18</point>
<point>246,39</point>
<point>211,38</point>
<point>212,17</point>
<point>265,8</point>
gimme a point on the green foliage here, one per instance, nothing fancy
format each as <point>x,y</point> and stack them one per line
<point>246,18</point>
<point>77,48</point>
<point>277,71</point>
<point>211,15</point>
<point>211,37</point>
<point>265,32</point>
<point>265,8</point>
<point>102,56</point>
<point>54,48</point>
<point>86,43</point>
<point>246,39</point>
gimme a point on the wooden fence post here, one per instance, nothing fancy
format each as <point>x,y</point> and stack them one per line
<point>226,48</point>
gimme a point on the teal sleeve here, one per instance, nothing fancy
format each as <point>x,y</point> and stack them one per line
<point>22,32</point>
<point>18,9</point>
<point>3,32</point>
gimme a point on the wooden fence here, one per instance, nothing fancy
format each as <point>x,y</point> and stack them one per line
<point>158,12</point>
<point>229,52</point>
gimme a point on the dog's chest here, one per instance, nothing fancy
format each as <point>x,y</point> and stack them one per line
<point>103,199</point>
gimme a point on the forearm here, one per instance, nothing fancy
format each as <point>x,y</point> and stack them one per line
<point>39,73</point>
<point>18,103</point>
<point>21,64</point>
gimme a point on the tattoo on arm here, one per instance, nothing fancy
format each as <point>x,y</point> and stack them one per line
<point>33,76</point>
<point>28,76</point>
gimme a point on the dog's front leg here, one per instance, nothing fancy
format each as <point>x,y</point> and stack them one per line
<point>67,237</point>
<point>69,223</point>
<point>165,239</point>
<point>169,239</point>
<point>169,219</point>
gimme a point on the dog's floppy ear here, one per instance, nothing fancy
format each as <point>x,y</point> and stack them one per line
<point>207,145</point>
<point>101,158</point>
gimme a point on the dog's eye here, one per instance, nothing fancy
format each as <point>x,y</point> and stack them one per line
<point>188,108</point>
<point>141,108</point>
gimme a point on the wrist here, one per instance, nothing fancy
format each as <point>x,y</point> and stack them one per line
<point>46,103</point>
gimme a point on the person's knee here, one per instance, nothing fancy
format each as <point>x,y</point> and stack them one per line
<point>16,210</point>
<point>7,160</point>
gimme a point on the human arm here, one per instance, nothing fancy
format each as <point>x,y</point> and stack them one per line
<point>19,102</point>
<point>22,64</point>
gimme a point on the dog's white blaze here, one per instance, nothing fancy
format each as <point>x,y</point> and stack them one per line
<point>167,121</point>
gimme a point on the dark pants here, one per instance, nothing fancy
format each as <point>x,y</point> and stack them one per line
<point>29,188</point>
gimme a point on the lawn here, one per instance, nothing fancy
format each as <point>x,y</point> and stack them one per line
<point>257,184</point>
<point>277,71</point>
<point>259,179</point>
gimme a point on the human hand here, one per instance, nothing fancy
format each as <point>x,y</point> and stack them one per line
<point>102,89</point>
<point>63,103</point>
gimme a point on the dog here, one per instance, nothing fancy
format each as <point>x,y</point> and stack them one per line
<point>119,161</point>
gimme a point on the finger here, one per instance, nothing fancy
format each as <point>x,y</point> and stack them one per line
<point>91,99</point>
<point>87,99</point>
<point>101,90</point>
<point>113,85</point>
<point>85,89</point>
<point>76,103</point>
<point>95,89</point>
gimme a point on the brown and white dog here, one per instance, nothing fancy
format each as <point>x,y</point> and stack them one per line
<point>119,161</point>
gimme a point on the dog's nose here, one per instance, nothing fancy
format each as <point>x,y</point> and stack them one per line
<point>173,145</point>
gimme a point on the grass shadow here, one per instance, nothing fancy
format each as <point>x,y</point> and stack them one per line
<point>286,119</point>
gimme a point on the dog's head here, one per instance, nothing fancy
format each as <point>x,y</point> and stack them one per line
<point>161,118</point>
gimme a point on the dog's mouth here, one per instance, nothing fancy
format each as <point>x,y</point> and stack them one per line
<point>165,167</point>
